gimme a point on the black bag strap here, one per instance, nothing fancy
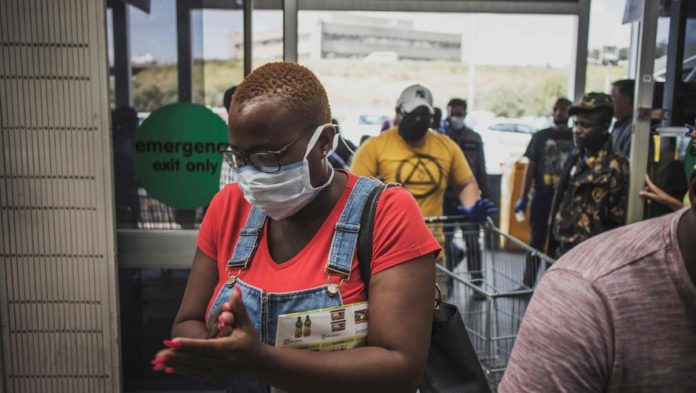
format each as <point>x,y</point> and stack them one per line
<point>367,226</point>
<point>452,361</point>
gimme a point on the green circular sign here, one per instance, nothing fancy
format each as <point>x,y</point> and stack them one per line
<point>175,154</point>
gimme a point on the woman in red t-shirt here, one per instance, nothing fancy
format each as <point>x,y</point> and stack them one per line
<point>289,205</point>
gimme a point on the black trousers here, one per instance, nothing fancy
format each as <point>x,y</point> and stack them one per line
<point>472,253</point>
<point>540,209</point>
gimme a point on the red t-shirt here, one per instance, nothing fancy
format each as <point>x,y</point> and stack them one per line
<point>400,235</point>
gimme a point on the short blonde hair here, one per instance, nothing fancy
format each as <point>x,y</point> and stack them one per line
<point>297,87</point>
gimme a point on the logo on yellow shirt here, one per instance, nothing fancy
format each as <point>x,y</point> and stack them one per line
<point>420,174</point>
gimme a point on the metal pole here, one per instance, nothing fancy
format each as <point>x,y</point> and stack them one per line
<point>290,30</point>
<point>248,8</point>
<point>122,64</point>
<point>642,105</point>
<point>578,73</point>
<point>183,46</point>
<point>672,99</point>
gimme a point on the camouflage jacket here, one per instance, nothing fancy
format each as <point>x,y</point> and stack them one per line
<point>591,198</point>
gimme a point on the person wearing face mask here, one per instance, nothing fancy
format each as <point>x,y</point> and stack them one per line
<point>282,240</point>
<point>424,161</point>
<point>469,141</point>
<point>591,196</point>
<point>547,152</point>
<point>471,144</point>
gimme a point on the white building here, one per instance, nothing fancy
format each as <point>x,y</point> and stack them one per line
<point>353,36</point>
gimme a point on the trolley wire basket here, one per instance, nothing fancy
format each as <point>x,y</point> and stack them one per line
<point>490,276</point>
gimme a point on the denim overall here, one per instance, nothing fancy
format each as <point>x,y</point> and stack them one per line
<point>264,307</point>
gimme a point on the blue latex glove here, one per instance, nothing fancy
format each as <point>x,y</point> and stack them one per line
<point>479,210</point>
<point>521,204</point>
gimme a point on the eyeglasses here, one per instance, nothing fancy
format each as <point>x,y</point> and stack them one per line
<point>264,161</point>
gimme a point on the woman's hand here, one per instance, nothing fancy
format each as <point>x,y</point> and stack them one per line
<point>393,360</point>
<point>226,320</point>
<point>225,323</point>
<point>654,193</point>
<point>236,351</point>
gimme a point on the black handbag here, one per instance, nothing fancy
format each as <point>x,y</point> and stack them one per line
<point>452,362</point>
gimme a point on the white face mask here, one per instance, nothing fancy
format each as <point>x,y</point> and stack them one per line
<point>283,193</point>
<point>457,122</point>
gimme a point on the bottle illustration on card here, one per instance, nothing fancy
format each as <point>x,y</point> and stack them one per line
<point>298,327</point>
<point>307,327</point>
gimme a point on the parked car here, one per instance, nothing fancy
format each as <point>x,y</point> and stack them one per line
<point>382,57</point>
<point>513,127</point>
<point>366,121</point>
<point>505,140</point>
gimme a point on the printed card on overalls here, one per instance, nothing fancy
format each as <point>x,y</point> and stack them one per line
<point>329,329</point>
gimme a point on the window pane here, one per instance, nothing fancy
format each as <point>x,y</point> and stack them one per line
<point>365,60</point>
<point>267,45</point>
<point>217,64</point>
<point>608,45</point>
<point>153,55</point>
<point>154,83</point>
<point>661,42</point>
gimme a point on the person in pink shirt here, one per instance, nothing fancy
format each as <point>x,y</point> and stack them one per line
<point>615,314</point>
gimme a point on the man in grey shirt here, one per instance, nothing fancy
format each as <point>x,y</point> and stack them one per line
<point>622,96</point>
<point>615,314</point>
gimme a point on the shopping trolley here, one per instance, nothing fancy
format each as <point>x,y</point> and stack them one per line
<point>490,277</point>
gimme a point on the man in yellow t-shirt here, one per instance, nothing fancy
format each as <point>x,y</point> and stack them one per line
<point>424,170</point>
<point>425,162</point>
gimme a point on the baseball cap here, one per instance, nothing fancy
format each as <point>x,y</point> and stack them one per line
<point>415,96</point>
<point>591,102</point>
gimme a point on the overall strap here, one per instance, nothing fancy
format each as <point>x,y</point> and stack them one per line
<point>248,239</point>
<point>345,235</point>
<point>367,226</point>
